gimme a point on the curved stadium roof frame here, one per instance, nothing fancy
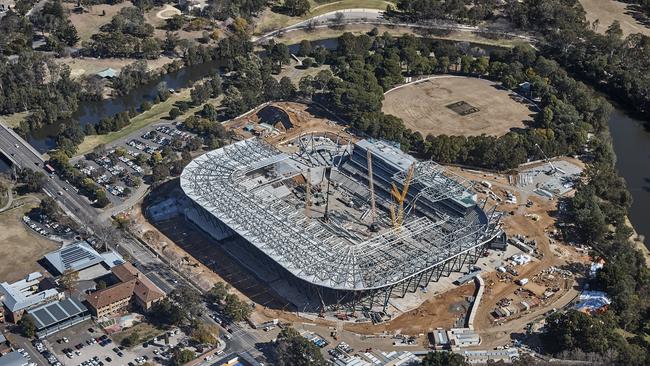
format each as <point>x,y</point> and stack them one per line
<point>308,248</point>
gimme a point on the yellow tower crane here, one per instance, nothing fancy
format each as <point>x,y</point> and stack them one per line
<point>399,197</point>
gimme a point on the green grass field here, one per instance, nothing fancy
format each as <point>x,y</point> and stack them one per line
<point>270,21</point>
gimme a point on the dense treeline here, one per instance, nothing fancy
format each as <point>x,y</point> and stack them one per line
<point>470,11</point>
<point>365,67</point>
<point>34,82</point>
<point>617,64</point>
<point>222,10</point>
<point>127,35</point>
<point>596,337</point>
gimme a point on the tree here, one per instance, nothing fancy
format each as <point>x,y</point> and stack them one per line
<point>176,22</point>
<point>33,180</point>
<point>159,173</point>
<point>305,48</point>
<point>27,326</point>
<point>444,359</point>
<point>188,299</point>
<point>200,93</point>
<point>307,62</point>
<point>292,349</point>
<point>131,340</point>
<point>233,102</point>
<point>175,113</point>
<point>50,208</point>
<point>182,356</point>
<point>166,312</point>
<point>287,89</point>
<point>101,284</point>
<point>217,293</point>
<point>205,334</point>
<point>296,7</point>
<point>69,279</point>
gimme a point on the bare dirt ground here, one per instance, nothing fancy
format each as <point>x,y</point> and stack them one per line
<point>438,312</point>
<point>305,119</point>
<point>422,107</point>
<point>606,11</point>
<point>556,254</point>
<point>20,247</point>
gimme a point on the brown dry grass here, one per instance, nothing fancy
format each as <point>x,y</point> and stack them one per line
<point>607,11</point>
<point>80,66</point>
<point>89,23</point>
<point>422,107</point>
<point>21,247</point>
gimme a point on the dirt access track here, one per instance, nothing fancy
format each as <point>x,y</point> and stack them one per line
<point>423,107</point>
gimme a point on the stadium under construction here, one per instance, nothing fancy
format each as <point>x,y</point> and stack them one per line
<point>349,225</point>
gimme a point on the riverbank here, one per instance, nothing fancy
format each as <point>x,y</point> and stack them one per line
<point>156,113</point>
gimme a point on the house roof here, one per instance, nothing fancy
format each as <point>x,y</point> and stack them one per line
<point>13,359</point>
<point>144,289</point>
<point>107,73</point>
<point>24,293</point>
<point>56,312</point>
<point>74,257</point>
<point>132,283</point>
<point>109,295</point>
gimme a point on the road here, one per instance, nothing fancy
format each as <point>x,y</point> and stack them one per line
<point>25,156</point>
<point>80,209</point>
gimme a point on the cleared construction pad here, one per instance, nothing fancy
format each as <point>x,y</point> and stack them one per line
<point>426,107</point>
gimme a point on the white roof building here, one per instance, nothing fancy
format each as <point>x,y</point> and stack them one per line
<point>24,293</point>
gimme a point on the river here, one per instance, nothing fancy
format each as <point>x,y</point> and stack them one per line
<point>631,141</point>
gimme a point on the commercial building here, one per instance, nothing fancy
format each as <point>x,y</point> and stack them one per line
<point>132,288</point>
<point>378,358</point>
<point>55,316</point>
<point>81,257</point>
<point>308,215</point>
<point>13,359</point>
<point>463,337</point>
<point>25,294</point>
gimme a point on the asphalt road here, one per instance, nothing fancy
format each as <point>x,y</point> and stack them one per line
<point>80,209</point>
<point>25,156</point>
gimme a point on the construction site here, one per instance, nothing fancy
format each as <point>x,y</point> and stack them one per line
<point>333,225</point>
<point>315,224</point>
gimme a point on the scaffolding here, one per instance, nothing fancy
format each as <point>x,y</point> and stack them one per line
<point>343,267</point>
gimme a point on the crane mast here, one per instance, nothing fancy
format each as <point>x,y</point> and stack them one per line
<point>371,187</point>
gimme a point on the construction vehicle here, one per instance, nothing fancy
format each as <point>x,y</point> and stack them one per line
<point>397,217</point>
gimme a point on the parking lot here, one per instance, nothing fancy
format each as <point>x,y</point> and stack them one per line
<point>87,345</point>
<point>121,168</point>
<point>48,228</point>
